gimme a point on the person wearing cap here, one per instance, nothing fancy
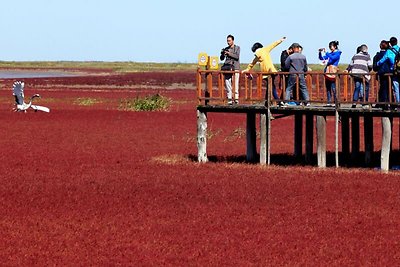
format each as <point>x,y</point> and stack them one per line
<point>262,56</point>
<point>297,65</point>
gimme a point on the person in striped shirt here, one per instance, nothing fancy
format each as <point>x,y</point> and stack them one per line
<point>359,68</point>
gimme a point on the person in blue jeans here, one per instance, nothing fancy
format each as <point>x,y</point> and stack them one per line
<point>333,58</point>
<point>359,68</point>
<point>296,63</point>
<point>389,58</point>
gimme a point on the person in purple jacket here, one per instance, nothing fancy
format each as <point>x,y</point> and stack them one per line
<point>333,58</point>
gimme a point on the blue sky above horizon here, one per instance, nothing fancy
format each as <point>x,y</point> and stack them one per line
<point>177,30</point>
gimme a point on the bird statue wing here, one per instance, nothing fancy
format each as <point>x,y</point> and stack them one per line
<point>18,92</point>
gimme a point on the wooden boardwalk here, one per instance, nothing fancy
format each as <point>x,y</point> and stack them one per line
<point>310,117</point>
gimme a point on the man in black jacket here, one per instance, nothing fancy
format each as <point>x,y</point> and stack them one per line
<point>383,94</point>
<point>284,55</point>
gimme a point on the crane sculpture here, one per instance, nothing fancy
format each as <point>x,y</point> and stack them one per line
<point>18,92</point>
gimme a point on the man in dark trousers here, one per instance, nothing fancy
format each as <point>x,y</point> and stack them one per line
<point>231,55</point>
<point>297,65</point>
<point>284,55</point>
<point>383,95</point>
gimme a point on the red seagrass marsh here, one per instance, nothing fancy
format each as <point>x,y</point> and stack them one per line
<point>91,183</point>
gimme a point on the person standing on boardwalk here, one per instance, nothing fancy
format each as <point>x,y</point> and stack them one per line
<point>262,56</point>
<point>390,59</point>
<point>382,69</point>
<point>284,55</point>
<point>231,55</point>
<point>296,63</point>
<point>333,58</point>
<point>359,68</point>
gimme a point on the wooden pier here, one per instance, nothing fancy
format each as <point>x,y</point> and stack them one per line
<point>256,102</point>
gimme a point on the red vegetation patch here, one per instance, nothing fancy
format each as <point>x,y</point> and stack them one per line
<point>123,80</point>
<point>92,185</point>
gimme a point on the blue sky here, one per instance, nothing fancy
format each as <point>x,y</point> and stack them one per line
<point>177,30</point>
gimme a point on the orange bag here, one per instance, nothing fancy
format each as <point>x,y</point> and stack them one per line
<point>329,72</point>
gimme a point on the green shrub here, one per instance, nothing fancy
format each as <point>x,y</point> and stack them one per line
<point>149,103</point>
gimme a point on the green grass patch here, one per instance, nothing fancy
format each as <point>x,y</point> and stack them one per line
<point>121,66</point>
<point>118,66</point>
<point>86,101</point>
<point>155,102</point>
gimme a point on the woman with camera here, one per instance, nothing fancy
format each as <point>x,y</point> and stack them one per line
<point>333,58</point>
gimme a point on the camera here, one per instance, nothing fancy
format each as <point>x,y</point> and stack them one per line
<point>225,49</point>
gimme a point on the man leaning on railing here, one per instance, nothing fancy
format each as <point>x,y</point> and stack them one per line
<point>263,56</point>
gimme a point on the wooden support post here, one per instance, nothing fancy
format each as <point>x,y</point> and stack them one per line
<point>368,139</point>
<point>337,138</point>
<point>202,136</point>
<point>309,137</point>
<point>263,139</point>
<point>391,138</point>
<point>355,138</point>
<point>386,140</point>
<point>269,118</point>
<point>251,137</point>
<point>298,136</point>
<point>345,138</point>
<point>321,141</point>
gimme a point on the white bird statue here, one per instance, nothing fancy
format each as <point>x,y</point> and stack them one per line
<point>18,92</point>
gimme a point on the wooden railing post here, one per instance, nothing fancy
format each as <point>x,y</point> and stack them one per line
<point>198,79</point>
<point>345,87</point>
<point>259,86</point>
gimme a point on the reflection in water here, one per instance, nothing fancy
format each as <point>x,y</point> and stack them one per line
<point>19,74</point>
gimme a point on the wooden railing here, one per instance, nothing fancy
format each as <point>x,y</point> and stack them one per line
<point>211,87</point>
